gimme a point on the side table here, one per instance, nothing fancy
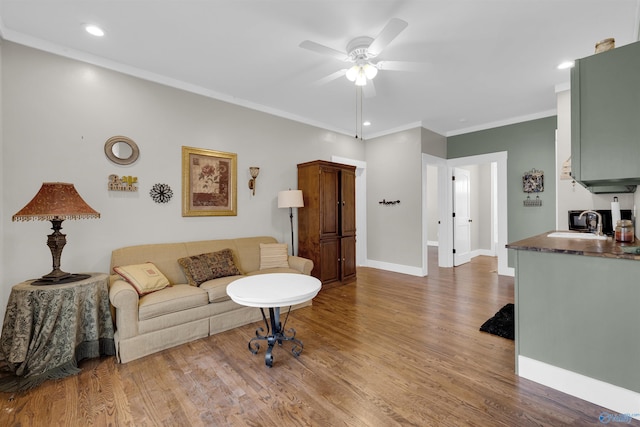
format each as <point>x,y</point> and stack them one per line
<point>48,329</point>
<point>273,291</point>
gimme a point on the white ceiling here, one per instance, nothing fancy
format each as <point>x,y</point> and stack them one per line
<point>487,62</point>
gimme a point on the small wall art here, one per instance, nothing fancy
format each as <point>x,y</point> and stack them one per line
<point>533,182</point>
<point>122,183</point>
<point>161,193</point>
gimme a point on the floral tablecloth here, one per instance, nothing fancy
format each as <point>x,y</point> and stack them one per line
<point>47,330</point>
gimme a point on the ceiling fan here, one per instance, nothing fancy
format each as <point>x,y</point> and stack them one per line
<point>361,51</point>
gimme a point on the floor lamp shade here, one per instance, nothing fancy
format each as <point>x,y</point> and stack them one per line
<point>290,199</point>
<point>55,202</point>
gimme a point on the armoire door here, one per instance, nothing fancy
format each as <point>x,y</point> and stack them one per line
<point>329,260</point>
<point>329,199</point>
<point>348,254</point>
<point>348,203</point>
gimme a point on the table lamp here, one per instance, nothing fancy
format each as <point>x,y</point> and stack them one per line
<point>55,202</point>
<point>290,199</point>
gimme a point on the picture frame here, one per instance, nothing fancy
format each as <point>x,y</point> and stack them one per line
<point>209,182</point>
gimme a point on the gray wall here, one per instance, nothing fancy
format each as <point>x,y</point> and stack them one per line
<point>529,145</point>
<point>58,113</point>
<point>394,172</point>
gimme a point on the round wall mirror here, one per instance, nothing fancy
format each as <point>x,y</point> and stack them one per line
<point>121,150</point>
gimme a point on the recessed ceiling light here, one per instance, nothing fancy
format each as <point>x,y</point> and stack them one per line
<point>566,64</point>
<point>94,30</point>
<point>367,123</point>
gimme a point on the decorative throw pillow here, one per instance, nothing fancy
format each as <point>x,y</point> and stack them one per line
<point>273,255</point>
<point>145,278</point>
<point>203,267</point>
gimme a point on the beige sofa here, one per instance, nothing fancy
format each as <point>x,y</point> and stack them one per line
<point>181,312</point>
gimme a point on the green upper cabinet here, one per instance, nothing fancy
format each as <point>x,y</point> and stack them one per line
<point>605,120</point>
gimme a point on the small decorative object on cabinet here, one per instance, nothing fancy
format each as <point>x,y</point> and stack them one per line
<point>327,222</point>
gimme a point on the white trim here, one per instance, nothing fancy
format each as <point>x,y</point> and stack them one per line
<point>401,128</point>
<point>432,243</point>
<point>617,399</point>
<point>505,122</point>
<point>500,158</point>
<point>441,164</point>
<point>482,252</point>
<point>78,55</point>
<point>397,268</point>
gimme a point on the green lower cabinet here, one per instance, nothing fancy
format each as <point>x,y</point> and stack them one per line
<point>581,314</point>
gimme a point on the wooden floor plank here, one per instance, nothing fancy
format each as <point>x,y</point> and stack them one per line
<point>387,350</point>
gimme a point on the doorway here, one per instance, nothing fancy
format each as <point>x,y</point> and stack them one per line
<point>498,225</point>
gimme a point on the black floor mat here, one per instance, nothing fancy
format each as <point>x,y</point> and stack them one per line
<point>502,324</point>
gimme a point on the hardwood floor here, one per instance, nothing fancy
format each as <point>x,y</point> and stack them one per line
<point>389,349</point>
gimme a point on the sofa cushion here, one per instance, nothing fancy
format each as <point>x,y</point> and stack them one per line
<point>273,255</point>
<point>203,267</point>
<point>217,288</point>
<point>171,300</point>
<point>145,278</point>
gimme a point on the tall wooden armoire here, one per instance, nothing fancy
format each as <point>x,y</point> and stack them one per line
<point>327,222</point>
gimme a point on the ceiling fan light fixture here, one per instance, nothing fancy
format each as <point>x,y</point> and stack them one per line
<point>353,72</point>
<point>362,79</point>
<point>370,71</point>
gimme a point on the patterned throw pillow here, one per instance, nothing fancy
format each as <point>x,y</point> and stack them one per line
<point>273,255</point>
<point>145,278</point>
<point>203,267</point>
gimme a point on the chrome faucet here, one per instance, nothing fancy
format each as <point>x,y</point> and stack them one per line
<point>599,226</point>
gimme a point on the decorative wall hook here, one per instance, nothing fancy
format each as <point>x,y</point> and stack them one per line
<point>529,202</point>
<point>389,202</point>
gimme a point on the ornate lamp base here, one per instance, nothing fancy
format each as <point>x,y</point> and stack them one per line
<point>56,242</point>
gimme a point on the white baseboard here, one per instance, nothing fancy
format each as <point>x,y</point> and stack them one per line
<point>482,252</point>
<point>622,402</point>
<point>397,268</point>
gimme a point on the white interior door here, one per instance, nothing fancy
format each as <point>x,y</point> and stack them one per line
<point>461,217</point>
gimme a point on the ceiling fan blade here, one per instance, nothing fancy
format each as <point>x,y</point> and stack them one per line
<point>394,27</point>
<point>369,90</point>
<point>324,50</point>
<point>330,77</point>
<point>402,66</point>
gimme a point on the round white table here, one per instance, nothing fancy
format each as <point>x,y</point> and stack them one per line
<point>273,291</point>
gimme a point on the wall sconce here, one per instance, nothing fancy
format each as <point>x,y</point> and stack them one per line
<point>254,171</point>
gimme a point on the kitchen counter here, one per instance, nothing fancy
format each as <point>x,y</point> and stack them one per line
<point>598,248</point>
<point>577,317</point>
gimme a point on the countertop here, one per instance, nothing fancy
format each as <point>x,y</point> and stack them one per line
<point>599,248</point>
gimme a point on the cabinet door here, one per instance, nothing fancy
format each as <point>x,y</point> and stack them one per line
<point>348,253</point>
<point>329,180</point>
<point>605,110</point>
<point>329,260</point>
<point>348,202</point>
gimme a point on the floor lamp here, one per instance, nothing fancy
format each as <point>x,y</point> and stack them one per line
<point>290,199</point>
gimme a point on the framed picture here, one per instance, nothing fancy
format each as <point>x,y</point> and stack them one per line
<point>209,182</point>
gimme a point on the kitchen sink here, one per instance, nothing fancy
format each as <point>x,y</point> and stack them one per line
<point>570,235</point>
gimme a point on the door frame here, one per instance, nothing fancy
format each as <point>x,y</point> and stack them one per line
<point>445,201</point>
